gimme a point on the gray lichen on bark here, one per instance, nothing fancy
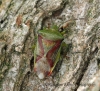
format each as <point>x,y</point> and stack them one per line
<point>19,22</point>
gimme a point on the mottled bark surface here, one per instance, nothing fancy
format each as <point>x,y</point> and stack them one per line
<point>79,69</point>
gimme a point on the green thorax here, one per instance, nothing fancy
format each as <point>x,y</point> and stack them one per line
<point>51,34</point>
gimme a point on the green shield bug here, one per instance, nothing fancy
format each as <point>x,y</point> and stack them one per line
<point>47,51</point>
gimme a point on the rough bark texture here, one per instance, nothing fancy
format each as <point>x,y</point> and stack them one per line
<point>19,22</point>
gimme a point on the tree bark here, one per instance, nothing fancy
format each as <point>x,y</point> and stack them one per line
<point>78,70</point>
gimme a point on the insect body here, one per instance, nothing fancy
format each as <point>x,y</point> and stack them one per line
<point>47,51</point>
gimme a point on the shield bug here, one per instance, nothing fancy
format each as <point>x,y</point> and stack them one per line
<point>47,51</point>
